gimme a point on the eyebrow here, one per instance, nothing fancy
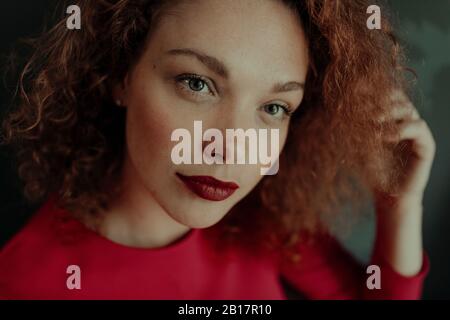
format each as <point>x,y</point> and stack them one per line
<point>219,68</point>
<point>212,63</point>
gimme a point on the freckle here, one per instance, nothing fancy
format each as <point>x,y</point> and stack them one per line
<point>154,66</point>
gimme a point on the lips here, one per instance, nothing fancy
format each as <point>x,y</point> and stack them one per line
<point>209,188</point>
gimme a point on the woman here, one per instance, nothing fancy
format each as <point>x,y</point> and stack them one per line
<point>99,106</point>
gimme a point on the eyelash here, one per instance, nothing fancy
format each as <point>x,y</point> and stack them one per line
<point>184,80</point>
<point>286,109</point>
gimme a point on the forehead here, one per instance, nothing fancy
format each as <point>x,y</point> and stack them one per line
<point>248,34</point>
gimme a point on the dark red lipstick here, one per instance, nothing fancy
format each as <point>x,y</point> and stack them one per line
<point>208,187</point>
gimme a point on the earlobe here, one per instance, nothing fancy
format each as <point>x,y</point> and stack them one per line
<point>119,93</point>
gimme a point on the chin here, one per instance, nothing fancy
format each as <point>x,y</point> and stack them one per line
<point>192,220</point>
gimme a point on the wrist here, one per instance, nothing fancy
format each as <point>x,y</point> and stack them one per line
<point>399,238</point>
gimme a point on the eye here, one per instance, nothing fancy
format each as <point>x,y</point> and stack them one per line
<point>276,110</point>
<point>194,84</point>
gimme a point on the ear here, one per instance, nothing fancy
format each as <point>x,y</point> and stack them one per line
<point>119,92</point>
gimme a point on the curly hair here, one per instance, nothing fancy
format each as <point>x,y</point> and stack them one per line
<point>69,135</point>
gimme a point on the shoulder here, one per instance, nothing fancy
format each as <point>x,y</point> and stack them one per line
<point>33,253</point>
<point>30,236</point>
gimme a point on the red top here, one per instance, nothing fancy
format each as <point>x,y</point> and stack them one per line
<point>33,265</point>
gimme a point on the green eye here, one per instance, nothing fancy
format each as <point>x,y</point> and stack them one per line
<point>272,109</point>
<point>276,110</point>
<point>196,84</point>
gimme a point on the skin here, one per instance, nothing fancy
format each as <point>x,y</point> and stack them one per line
<point>247,37</point>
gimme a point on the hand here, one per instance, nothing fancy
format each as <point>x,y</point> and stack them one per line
<point>416,148</point>
<point>399,216</point>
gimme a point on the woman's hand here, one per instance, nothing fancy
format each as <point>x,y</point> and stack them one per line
<point>417,147</point>
<point>399,216</point>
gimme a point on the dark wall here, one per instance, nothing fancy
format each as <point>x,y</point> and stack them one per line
<point>20,19</point>
<point>424,27</point>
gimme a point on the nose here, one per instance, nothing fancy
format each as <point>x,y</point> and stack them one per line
<point>230,118</point>
<point>216,155</point>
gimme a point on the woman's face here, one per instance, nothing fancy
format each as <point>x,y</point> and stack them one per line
<point>228,64</point>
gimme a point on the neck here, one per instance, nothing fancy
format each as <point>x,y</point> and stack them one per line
<point>135,218</point>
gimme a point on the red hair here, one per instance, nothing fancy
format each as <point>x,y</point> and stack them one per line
<point>69,136</point>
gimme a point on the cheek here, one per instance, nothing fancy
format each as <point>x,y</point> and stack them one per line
<point>253,177</point>
<point>149,127</point>
<point>251,174</point>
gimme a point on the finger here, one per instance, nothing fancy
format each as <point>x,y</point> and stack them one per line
<point>405,111</point>
<point>401,112</point>
<point>399,96</point>
<point>418,131</point>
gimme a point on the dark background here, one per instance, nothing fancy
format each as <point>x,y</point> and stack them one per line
<point>424,28</point>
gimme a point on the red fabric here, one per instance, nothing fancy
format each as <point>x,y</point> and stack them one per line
<point>33,266</point>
